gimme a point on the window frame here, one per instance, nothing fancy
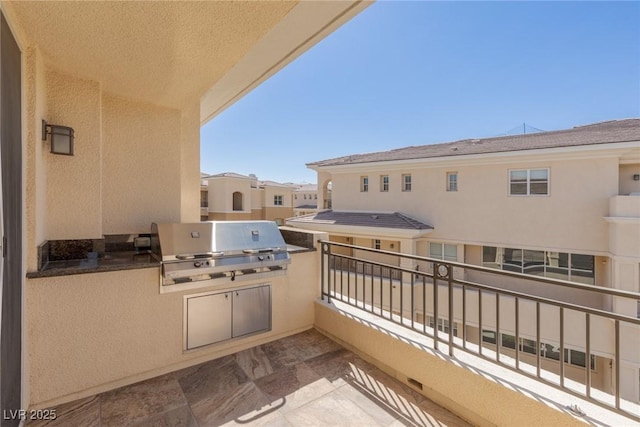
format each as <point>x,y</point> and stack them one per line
<point>442,251</point>
<point>545,268</point>
<point>377,244</point>
<point>364,184</point>
<point>277,197</point>
<point>528,182</point>
<point>384,186</point>
<point>451,188</point>
<point>406,185</point>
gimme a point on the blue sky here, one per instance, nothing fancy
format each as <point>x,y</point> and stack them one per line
<point>413,73</point>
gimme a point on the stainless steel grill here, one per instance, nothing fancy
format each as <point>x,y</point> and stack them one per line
<point>194,252</point>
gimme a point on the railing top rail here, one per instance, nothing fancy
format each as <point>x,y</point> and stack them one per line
<point>539,279</point>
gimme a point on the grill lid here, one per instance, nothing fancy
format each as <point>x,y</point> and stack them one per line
<point>213,239</point>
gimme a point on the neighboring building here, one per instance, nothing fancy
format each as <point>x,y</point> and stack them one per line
<point>562,204</point>
<point>232,196</point>
<point>305,199</point>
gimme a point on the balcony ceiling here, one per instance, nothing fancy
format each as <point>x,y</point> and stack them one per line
<point>173,53</point>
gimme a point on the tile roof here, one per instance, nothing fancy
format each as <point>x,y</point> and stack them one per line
<point>229,175</point>
<point>598,133</point>
<point>363,219</point>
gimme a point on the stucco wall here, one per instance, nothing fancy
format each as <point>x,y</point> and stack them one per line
<point>141,180</point>
<point>271,213</point>
<point>92,332</point>
<point>465,392</point>
<point>569,219</point>
<point>74,202</point>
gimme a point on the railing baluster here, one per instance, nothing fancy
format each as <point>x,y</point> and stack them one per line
<point>322,281</point>
<point>538,339</point>
<point>435,306</point>
<point>381,292</point>
<point>517,333</point>
<point>480,321</point>
<point>372,289</point>
<point>390,296</point>
<point>413,281</point>
<point>450,285</point>
<point>497,327</point>
<point>561,346</point>
<point>587,328</point>
<point>349,264</point>
<point>617,362</point>
<point>424,304</point>
<point>401,300</point>
<point>341,280</point>
<point>464,317</point>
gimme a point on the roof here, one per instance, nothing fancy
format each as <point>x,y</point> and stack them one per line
<point>230,175</point>
<point>363,219</point>
<point>311,188</point>
<point>306,207</point>
<point>598,133</point>
<point>274,184</point>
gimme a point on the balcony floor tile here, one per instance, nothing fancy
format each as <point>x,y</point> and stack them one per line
<point>301,380</point>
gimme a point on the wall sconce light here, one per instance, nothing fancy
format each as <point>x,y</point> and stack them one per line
<point>61,138</point>
<point>636,177</point>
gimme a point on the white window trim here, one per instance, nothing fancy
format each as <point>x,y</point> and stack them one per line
<point>382,183</point>
<point>528,170</point>
<point>404,182</point>
<point>449,182</point>
<point>364,189</point>
<point>442,244</point>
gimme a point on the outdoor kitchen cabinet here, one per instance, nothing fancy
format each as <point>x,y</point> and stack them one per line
<point>216,317</point>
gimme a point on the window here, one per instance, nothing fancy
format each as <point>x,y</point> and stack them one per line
<point>315,196</point>
<point>406,182</point>
<point>443,325</point>
<point>548,351</point>
<point>443,251</point>
<point>305,197</point>
<point>295,196</point>
<point>527,182</point>
<point>364,184</point>
<point>376,244</point>
<point>277,200</point>
<point>384,183</point>
<point>452,181</point>
<point>555,265</point>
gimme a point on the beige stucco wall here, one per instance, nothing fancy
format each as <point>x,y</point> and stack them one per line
<point>221,194</point>
<point>189,156</point>
<point>92,332</point>
<point>466,393</point>
<point>74,202</point>
<point>272,213</point>
<point>569,219</point>
<point>229,216</point>
<point>141,180</point>
<point>35,178</point>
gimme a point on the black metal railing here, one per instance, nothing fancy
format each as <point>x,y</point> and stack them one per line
<point>441,302</point>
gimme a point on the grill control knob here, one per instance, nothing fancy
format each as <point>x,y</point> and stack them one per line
<point>197,264</point>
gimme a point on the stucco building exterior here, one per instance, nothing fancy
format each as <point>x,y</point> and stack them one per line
<point>232,196</point>
<point>562,204</point>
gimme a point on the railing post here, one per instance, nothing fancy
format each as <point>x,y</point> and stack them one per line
<point>323,248</point>
<point>435,305</point>
<point>450,284</point>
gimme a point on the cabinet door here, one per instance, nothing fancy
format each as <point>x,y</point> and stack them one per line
<point>251,310</point>
<point>208,319</point>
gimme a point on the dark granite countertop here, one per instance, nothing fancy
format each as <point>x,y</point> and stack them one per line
<point>97,263</point>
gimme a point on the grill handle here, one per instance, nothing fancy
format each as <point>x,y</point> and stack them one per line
<point>257,251</point>
<point>200,255</point>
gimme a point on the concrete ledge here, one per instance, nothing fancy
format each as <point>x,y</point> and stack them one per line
<point>483,393</point>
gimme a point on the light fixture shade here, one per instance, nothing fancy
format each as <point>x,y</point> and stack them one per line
<point>61,138</point>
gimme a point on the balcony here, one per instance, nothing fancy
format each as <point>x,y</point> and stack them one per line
<point>386,347</point>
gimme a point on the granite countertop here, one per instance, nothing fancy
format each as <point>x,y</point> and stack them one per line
<point>96,263</point>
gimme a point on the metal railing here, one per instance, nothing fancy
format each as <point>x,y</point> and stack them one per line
<point>450,299</point>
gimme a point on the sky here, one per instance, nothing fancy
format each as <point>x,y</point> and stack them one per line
<point>414,73</point>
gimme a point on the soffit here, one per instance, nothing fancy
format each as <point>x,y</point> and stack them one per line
<point>165,53</point>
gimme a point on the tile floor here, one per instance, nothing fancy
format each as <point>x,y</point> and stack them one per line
<point>302,380</point>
